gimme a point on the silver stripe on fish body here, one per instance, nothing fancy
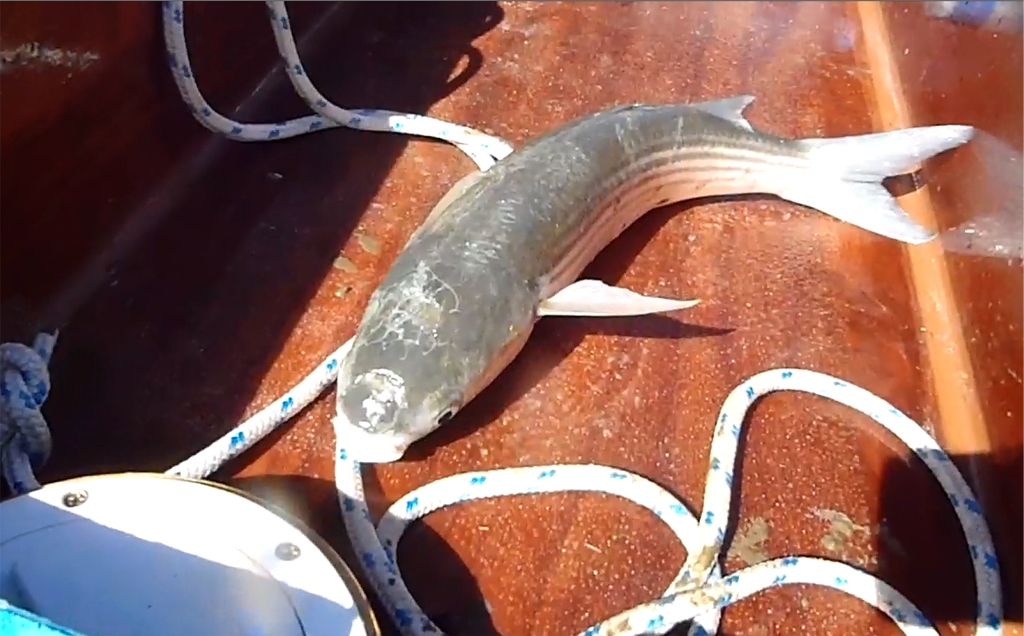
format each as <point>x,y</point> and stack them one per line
<point>504,247</point>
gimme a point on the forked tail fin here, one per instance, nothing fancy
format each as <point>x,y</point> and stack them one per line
<point>846,181</point>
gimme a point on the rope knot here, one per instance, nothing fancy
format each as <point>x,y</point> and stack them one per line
<point>24,385</point>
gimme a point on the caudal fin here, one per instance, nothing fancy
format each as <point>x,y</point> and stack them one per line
<point>848,171</point>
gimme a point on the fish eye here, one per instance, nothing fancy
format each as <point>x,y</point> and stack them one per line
<point>446,416</point>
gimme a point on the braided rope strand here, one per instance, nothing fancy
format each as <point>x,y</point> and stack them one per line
<point>25,441</point>
<point>483,149</point>
<point>700,590</point>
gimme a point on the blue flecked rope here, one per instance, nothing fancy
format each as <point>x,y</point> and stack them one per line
<point>25,438</point>
<point>483,149</point>
<point>24,386</point>
<point>700,591</point>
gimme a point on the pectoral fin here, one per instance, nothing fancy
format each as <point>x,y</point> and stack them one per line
<point>594,298</point>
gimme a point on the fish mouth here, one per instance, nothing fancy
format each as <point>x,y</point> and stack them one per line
<point>368,448</point>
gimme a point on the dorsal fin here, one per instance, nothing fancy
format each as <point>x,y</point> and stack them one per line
<point>730,109</point>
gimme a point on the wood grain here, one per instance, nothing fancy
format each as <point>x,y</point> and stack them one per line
<point>232,297</point>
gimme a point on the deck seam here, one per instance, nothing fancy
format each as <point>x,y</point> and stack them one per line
<point>961,427</point>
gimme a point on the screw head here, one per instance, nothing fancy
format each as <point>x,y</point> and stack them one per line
<point>287,551</point>
<point>75,498</point>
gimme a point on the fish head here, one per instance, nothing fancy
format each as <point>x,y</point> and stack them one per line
<point>418,355</point>
<point>380,413</point>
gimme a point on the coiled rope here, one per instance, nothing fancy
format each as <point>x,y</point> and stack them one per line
<point>25,437</point>
<point>698,593</point>
<point>24,386</point>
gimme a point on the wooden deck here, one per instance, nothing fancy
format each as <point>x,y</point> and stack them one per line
<point>193,279</point>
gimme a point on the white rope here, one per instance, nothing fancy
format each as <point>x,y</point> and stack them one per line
<point>699,592</point>
<point>483,149</point>
<point>25,437</point>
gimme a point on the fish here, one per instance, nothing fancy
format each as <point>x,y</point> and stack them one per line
<point>504,247</point>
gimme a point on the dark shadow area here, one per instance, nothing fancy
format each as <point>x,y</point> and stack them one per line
<point>164,565</point>
<point>554,338</point>
<point>95,151</point>
<point>166,356</point>
<point>435,575</point>
<point>922,551</point>
<point>925,561</point>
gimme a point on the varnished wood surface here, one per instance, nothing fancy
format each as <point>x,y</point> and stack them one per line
<point>974,76</point>
<point>96,144</point>
<point>234,297</point>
